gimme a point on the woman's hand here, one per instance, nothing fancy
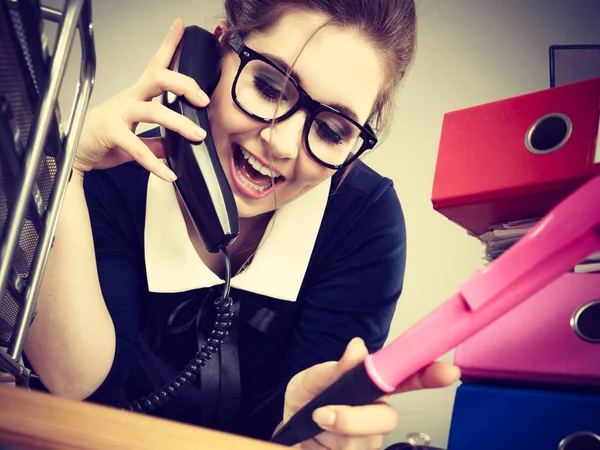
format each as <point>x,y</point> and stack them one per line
<point>108,136</point>
<point>354,427</point>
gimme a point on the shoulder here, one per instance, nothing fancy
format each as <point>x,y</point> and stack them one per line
<point>364,198</point>
<point>363,227</point>
<point>361,178</point>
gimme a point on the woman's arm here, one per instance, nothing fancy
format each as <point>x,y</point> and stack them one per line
<point>71,341</point>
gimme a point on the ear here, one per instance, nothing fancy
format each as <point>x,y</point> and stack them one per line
<point>220,29</point>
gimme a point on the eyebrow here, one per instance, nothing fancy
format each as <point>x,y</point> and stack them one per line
<point>286,68</point>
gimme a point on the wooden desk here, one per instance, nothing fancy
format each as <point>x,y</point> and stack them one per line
<point>35,420</point>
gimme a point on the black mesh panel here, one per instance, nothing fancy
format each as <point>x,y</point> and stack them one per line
<point>23,74</point>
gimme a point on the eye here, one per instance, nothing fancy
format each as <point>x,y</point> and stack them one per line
<point>330,132</point>
<point>268,89</point>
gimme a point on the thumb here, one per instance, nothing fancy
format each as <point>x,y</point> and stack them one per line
<point>356,352</point>
<point>316,379</point>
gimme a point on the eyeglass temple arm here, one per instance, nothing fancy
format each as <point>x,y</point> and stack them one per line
<point>236,42</point>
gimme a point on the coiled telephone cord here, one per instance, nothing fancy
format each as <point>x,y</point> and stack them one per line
<point>190,373</point>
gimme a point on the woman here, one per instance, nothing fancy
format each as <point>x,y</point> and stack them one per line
<point>127,295</point>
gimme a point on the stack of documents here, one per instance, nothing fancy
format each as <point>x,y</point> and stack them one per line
<point>503,236</point>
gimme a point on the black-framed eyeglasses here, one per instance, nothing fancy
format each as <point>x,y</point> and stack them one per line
<point>264,92</point>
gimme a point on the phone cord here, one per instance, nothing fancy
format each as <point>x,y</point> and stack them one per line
<point>201,358</point>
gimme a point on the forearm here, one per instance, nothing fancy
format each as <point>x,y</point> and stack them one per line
<point>71,342</point>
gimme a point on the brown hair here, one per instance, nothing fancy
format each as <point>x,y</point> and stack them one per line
<point>389,24</point>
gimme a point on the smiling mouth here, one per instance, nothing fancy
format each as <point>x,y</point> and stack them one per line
<point>250,176</point>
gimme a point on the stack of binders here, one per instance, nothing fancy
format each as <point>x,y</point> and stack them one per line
<point>531,380</point>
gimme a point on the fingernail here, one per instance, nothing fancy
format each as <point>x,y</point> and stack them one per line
<point>455,372</point>
<point>200,133</point>
<point>324,417</point>
<point>355,344</point>
<point>202,95</point>
<point>174,23</point>
<point>169,174</point>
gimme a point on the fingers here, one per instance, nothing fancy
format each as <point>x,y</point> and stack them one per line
<point>165,52</point>
<point>321,376</point>
<point>311,382</point>
<point>357,427</point>
<point>317,378</point>
<point>311,444</point>
<point>155,82</point>
<point>142,154</point>
<point>331,441</point>
<point>373,419</point>
<point>167,80</point>
<point>437,374</point>
<point>152,112</point>
<point>111,140</point>
<point>158,78</point>
<point>355,353</point>
<point>146,154</point>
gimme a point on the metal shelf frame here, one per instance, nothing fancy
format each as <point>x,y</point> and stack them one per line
<point>77,15</point>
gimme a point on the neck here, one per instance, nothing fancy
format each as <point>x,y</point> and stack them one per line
<point>251,231</point>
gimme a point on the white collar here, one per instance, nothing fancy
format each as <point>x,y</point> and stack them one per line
<point>277,269</point>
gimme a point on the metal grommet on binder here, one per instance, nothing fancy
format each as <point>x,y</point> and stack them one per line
<point>580,440</point>
<point>548,133</point>
<point>411,439</point>
<point>585,322</point>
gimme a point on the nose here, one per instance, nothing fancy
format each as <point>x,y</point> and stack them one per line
<point>284,139</point>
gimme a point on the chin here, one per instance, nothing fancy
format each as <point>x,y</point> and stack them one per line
<point>253,208</point>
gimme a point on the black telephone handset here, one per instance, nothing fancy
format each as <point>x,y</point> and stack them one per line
<point>201,180</point>
<point>207,195</point>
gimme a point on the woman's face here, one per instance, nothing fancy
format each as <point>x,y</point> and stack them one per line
<point>336,67</point>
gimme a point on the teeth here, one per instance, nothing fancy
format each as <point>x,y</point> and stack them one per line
<point>250,183</point>
<point>256,165</point>
<point>263,170</point>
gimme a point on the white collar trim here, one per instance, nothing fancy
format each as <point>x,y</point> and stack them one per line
<point>277,269</point>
